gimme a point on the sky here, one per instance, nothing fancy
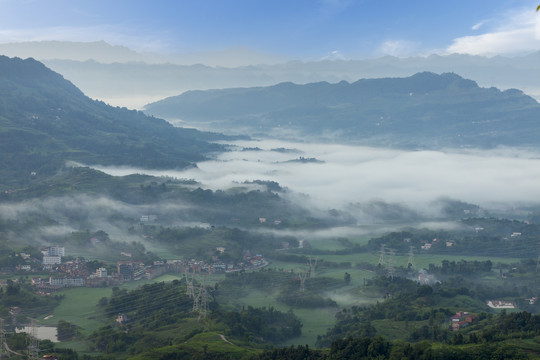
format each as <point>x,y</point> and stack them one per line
<point>299,29</point>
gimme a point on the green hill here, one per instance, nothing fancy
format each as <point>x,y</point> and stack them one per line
<point>424,110</point>
<point>45,121</point>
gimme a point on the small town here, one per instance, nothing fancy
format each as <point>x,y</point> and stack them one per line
<point>75,273</point>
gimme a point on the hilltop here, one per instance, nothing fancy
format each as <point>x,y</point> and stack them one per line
<point>425,110</point>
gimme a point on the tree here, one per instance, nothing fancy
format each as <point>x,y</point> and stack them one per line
<point>65,330</point>
<point>347,278</point>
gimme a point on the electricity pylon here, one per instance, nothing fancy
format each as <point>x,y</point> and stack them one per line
<point>410,262</point>
<point>303,275</point>
<point>390,264</point>
<point>33,347</point>
<point>312,267</point>
<point>381,256</point>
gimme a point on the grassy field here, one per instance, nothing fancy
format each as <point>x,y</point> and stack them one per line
<point>79,307</point>
<point>315,321</point>
<point>393,330</point>
<point>421,260</point>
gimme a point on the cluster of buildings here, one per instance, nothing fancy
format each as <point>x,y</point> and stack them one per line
<point>75,273</point>
<point>427,245</point>
<point>500,304</point>
<point>263,220</point>
<point>53,255</point>
<point>462,319</point>
<point>249,262</point>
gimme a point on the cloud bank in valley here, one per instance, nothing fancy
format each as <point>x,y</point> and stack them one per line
<point>351,174</point>
<point>60,216</point>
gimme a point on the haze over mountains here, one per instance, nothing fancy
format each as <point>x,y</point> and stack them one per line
<point>123,77</point>
<point>425,110</point>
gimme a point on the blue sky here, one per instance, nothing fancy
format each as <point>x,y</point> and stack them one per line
<point>296,29</point>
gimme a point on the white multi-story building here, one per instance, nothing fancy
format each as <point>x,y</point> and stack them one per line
<point>57,251</point>
<point>52,260</point>
<point>101,272</point>
<point>66,282</point>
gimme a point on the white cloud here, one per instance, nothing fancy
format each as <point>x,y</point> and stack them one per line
<point>334,55</point>
<point>398,48</point>
<point>478,25</point>
<point>110,34</point>
<point>519,33</point>
<point>353,174</point>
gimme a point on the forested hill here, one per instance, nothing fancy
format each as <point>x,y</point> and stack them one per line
<point>424,110</point>
<point>45,120</point>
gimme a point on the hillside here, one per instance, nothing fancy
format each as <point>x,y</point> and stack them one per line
<point>45,121</point>
<point>425,110</point>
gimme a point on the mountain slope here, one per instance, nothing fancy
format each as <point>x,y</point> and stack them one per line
<point>45,120</point>
<point>426,110</point>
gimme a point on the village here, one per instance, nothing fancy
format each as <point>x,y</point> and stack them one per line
<point>75,273</point>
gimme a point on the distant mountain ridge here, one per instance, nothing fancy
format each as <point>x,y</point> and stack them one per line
<point>124,77</point>
<point>45,120</point>
<point>424,110</point>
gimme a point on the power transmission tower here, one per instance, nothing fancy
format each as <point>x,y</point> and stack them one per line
<point>2,338</point>
<point>203,306</point>
<point>33,347</point>
<point>189,282</point>
<point>303,276</point>
<point>381,256</point>
<point>312,267</point>
<point>200,301</point>
<point>390,264</point>
<point>410,262</point>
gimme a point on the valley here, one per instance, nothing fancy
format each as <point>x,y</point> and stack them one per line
<point>138,239</point>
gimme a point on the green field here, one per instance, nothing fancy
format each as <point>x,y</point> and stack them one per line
<point>79,306</point>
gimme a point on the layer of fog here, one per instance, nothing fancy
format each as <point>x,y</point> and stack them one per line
<point>361,229</point>
<point>347,175</point>
<point>57,217</point>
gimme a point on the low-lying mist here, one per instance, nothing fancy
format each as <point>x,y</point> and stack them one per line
<point>52,219</point>
<point>323,177</point>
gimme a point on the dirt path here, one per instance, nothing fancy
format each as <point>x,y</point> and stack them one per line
<point>225,339</point>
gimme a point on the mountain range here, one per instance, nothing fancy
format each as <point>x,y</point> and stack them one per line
<point>425,110</point>
<point>123,77</point>
<point>134,84</point>
<point>45,121</point>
